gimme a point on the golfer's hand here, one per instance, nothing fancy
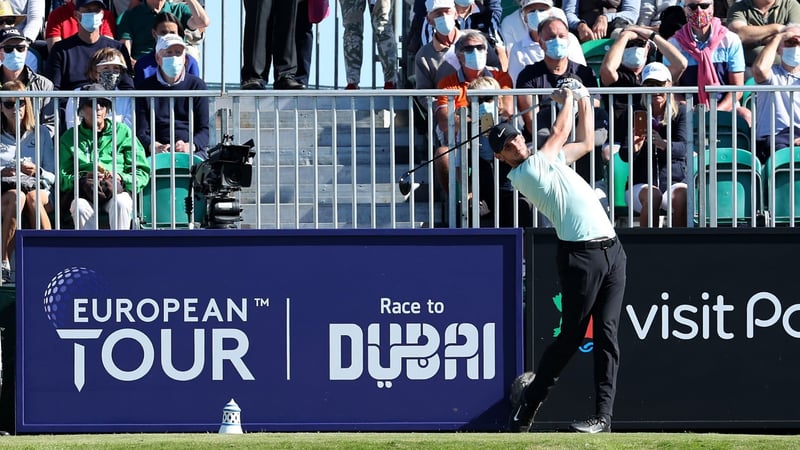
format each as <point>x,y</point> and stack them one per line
<point>561,95</point>
<point>577,88</point>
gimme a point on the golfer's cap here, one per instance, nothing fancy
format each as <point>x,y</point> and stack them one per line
<point>656,71</point>
<point>168,40</point>
<point>500,134</point>
<point>525,3</point>
<point>433,5</point>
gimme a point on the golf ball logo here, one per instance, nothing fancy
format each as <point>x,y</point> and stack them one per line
<point>71,283</point>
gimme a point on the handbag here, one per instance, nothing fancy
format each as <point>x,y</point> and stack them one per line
<point>105,187</point>
<point>318,10</point>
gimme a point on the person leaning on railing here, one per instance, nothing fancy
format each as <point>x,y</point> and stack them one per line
<point>787,103</point>
<point>17,118</point>
<point>97,128</point>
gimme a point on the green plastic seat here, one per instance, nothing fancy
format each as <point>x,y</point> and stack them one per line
<point>748,172</point>
<point>725,134</point>
<point>783,187</point>
<point>167,200</point>
<point>595,51</point>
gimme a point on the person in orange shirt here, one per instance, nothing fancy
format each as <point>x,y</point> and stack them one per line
<point>471,49</point>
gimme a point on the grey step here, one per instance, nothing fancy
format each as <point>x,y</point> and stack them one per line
<point>318,101</point>
<point>307,139</point>
<point>289,216</point>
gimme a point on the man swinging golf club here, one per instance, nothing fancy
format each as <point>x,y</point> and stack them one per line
<point>590,259</point>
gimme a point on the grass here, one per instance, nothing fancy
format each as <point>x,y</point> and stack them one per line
<point>455,441</point>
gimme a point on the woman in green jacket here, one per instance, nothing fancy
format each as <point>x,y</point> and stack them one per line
<point>126,163</point>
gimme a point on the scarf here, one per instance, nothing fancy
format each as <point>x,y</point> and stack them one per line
<point>706,75</point>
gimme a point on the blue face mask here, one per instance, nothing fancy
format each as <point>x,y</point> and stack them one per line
<point>475,60</point>
<point>534,18</point>
<point>91,21</point>
<point>172,65</point>
<point>790,56</point>
<point>463,3</point>
<point>15,60</point>
<point>556,48</point>
<point>444,24</point>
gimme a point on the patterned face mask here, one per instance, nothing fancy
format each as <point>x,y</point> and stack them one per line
<point>109,80</point>
<point>699,18</point>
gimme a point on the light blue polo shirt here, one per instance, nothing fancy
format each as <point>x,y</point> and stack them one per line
<point>563,197</point>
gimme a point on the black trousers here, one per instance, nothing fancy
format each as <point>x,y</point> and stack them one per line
<point>269,36</point>
<point>304,42</point>
<point>592,286</point>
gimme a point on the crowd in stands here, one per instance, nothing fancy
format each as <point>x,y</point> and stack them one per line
<point>463,45</point>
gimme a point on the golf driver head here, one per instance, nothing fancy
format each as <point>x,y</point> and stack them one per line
<point>404,185</point>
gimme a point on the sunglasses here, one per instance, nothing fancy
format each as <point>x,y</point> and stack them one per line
<point>654,83</point>
<point>469,48</point>
<point>8,21</point>
<point>11,48</point>
<point>9,104</point>
<point>694,6</point>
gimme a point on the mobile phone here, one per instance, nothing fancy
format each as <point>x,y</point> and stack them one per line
<point>640,123</point>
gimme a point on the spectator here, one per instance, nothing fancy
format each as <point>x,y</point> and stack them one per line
<point>714,55</point>
<point>136,24</point>
<point>18,135</point>
<point>669,153</point>
<point>513,27</point>
<point>553,37</point>
<point>34,13</point>
<point>8,19</point>
<point>494,107</point>
<point>756,20</point>
<point>383,31</point>
<point>623,65</point>
<point>527,50</point>
<point>303,42</point>
<point>269,32</point>
<point>471,49</point>
<point>107,68</point>
<point>786,102</point>
<point>672,19</point>
<point>14,53</point>
<point>146,66</point>
<point>171,76</point>
<point>597,19</point>
<point>481,15</point>
<point>63,23</point>
<point>118,153</point>
<point>650,12</point>
<point>69,58</point>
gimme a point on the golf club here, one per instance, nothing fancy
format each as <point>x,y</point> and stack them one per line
<point>405,185</point>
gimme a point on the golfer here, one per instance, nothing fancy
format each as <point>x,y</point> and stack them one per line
<point>590,258</point>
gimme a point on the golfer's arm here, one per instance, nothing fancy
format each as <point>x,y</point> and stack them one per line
<point>584,133</point>
<point>560,131</point>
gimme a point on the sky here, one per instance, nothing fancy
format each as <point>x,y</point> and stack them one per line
<point>223,42</point>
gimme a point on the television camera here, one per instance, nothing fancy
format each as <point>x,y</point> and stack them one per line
<point>228,169</point>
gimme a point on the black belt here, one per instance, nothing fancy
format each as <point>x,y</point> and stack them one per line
<point>589,245</point>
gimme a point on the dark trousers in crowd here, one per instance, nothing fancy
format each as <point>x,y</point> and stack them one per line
<point>304,42</point>
<point>269,33</point>
<point>592,286</point>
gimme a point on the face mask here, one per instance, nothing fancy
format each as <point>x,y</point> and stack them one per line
<point>444,24</point>
<point>556,48</point>
<point>475,60</point>
<point>15,60</point>
<point>790,56</point>
<point>109,80</point>
<point>463,3</point>
<point>172,65</point>
<point>634,57</point>
<point>699,18</point>
<point>91,21</point>
<point>534,18</point>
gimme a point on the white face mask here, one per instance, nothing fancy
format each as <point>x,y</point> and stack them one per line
<point>791,56</point>
<point>535,18</point>
<point>444,24</point>
<point>634,57</point>
<point>475,60</point>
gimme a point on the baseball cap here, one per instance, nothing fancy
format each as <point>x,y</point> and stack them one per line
<point>432,5</point>
<point>81,3</point>
<point>114,60</point>
<point>168,40</point>
<point>93,87</point>
<point>525,3</point>
<point>500,134</point>
<point>9,34</point>
<point>656,71</point>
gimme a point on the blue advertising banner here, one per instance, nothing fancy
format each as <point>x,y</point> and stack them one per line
<point>306,330</point>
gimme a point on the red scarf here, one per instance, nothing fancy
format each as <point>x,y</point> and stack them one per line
<point>706,75</point>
